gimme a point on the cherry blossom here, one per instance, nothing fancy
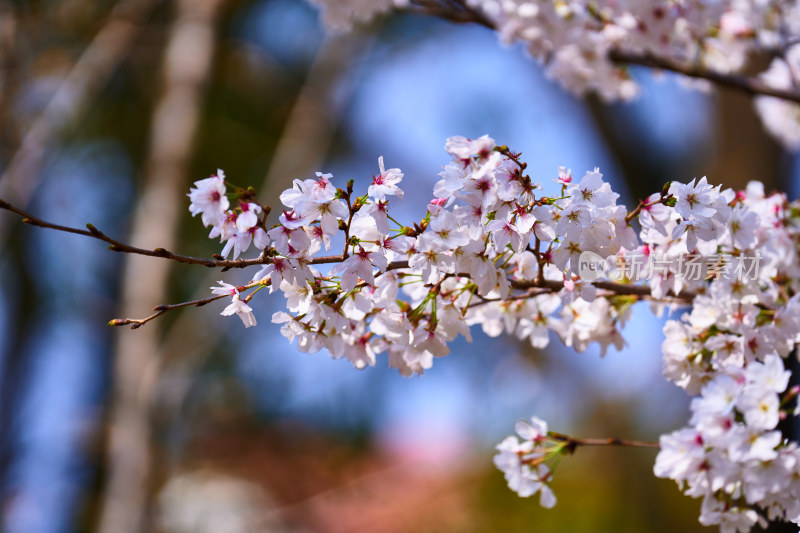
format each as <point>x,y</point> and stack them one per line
<point>209,200</point>
<point>237,306</point>
<point>493,249</point>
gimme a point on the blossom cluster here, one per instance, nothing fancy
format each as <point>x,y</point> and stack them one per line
<point>575,39</point>
<point>523,462</point>
<point>580,43</point>
<point>410,290</point>
<point>237,227</point>
<point>729,349</point>
<point>732,455</point>
<point>493,250</point>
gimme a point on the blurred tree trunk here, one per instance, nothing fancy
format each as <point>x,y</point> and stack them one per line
<point>305,140</point>
<point>87,77</point>
<point>187,65</point>
<point>21,161</point>
<point>309,131</point>
<point>745,152</point>
<point>9,79</point>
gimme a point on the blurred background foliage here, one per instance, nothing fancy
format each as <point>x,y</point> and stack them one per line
<point>191,424</point>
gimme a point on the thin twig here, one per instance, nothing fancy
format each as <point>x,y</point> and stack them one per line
<point>161,309</point>
<point>534,288</point>
<point>574,442</point>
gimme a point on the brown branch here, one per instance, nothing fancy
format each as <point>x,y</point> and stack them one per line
<point>530,293</point>
<point>621,289</point>
<point>748,85</point>
<point>574,442</point>
<point>119,246</point>
<point>453,10</point>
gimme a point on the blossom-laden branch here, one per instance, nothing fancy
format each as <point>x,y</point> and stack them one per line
<point>546,286</point>
<point>588,46</point>
<point>489,251</point>
<point>730,26</point>
<point>494,250</point>
<point>432,248</point>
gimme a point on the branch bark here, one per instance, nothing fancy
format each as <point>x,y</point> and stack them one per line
<point>745,84</point>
